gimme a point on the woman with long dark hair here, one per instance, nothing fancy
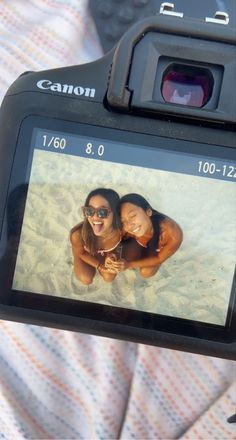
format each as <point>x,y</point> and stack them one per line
<point>157,235</point>
<point>97,236</point>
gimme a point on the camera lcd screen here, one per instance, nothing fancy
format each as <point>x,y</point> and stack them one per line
<point>179,180</point>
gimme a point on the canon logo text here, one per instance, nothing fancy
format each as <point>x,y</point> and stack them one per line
<point>69,89</point>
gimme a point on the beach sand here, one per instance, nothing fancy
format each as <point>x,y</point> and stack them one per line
<point>195,283</point>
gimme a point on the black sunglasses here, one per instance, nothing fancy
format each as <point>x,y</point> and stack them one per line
<point>88,211</point>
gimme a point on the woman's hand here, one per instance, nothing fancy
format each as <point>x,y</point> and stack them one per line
<point>113,264</point>
<point>122,265</point>
<point>109,261</point>
<point>107,267</point>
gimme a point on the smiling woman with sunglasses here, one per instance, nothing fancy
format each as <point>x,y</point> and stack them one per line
<point>97,236</point>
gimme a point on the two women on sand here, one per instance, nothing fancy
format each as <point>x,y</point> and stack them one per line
<point>118,234</point>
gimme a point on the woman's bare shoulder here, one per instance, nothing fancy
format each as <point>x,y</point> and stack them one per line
<point>171,227</point>
<point>76,234</point>
<point>169,223</point>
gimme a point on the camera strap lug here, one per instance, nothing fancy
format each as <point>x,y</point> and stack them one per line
<point>167,8</point>
<point>219,18</point>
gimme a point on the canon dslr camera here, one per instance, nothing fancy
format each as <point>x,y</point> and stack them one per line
<point>117,190</point>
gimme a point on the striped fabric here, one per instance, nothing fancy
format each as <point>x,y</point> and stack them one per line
<point>60,385</point>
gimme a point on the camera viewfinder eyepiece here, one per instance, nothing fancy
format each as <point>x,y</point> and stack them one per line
<point>176,66</point>
<point>187,85</point>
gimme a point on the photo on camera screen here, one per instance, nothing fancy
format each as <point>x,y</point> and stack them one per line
<point>129,226</point>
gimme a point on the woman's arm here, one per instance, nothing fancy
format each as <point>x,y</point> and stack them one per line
<point>79,252</point>
<point>171,237</point>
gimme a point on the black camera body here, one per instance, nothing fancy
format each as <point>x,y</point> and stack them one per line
<point>155,116</point>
